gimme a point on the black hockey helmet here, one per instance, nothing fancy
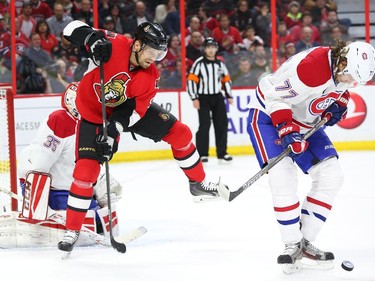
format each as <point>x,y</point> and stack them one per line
<point>209,41</point>
<point>151,34</point>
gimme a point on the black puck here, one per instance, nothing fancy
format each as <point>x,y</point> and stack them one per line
<point>347,265</point>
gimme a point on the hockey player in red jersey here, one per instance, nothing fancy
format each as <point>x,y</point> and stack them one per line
<point>311,85</point>
<point>130,83</point>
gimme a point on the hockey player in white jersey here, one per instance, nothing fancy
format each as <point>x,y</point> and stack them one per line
<point>45,169</point>
<point>311,85</point>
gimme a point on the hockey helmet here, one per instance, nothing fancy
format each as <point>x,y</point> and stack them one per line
<point>209,41</point>
<point>68,100</point>
<point>360,58</point>
<point>152,35</point>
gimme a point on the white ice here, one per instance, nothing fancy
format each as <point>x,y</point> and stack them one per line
<point>218,241</point>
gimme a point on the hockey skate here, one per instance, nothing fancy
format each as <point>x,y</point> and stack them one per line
<point>68,241</point>
<point>203,191</point>
<point>315,258</point>
<point>290,259</point>
<point>226,159</point>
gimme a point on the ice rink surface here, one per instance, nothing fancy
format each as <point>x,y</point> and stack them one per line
<point>215,241</point>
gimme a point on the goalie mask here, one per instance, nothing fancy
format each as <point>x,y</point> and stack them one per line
<point>68,101</point>
<point>360,61</point>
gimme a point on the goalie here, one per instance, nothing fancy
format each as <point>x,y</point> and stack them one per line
<point>45,170</point>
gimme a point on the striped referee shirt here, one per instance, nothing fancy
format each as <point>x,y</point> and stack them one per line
<point>208,77</point>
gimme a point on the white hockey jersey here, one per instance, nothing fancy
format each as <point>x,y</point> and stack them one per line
<point>52,150</point>
<point>304,83</point>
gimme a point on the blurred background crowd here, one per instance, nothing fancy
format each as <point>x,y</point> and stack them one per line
<point>47,63</point>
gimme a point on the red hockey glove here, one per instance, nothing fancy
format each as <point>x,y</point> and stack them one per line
<point>337,111</point>
<point>106,148</point>
<point>99,47</point>
<point>291,137</point>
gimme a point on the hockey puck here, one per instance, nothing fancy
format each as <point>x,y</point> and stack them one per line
<point>347,265</point>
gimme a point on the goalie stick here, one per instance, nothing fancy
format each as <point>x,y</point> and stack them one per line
<point>99,239</point>
<point>230,195</point>
<point>120,247</point>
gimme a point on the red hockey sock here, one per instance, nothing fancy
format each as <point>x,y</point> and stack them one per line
<point>79,201</point>
<point>189,161</point>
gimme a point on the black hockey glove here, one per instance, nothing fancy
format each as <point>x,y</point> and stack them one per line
<point>106,148</point>
<point>99,47</point>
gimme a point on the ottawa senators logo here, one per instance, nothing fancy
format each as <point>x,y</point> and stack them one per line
<point>164,116</point>
<point>114,90</point>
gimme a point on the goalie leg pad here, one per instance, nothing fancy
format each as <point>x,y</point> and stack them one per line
<point>36,195</point>
<point>104,219</point>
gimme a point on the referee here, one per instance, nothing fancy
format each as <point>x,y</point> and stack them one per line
<point>206,82</point>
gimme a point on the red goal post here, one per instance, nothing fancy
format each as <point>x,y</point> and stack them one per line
<point>8,160</point>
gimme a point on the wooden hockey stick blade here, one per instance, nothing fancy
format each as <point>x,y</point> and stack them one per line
<point>230,195</point>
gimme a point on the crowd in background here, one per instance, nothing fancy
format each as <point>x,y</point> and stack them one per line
<point>47,63</point>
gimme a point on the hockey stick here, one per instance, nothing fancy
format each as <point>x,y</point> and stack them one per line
<point>99,239</point>
<point>230,195</point>
<point>120,247</point>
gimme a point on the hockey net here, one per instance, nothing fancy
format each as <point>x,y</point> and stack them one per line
<point>8,169</point>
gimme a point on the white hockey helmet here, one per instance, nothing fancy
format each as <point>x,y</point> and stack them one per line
<point>68,101</point>
<point>360,61</point>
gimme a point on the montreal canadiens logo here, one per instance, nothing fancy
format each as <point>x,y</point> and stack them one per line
<point>357,111</point>
<point>114,90</point>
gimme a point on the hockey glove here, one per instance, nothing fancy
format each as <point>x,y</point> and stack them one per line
<point>106,148</point>
<point>100,190</point>
<point>291,137</point>
<point>99,47</point>
<point>337,111</point>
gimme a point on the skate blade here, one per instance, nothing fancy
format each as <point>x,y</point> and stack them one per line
<point>290,268</point>
<point>319,265</point>
<point>65,255</point>
<point>204,198</point>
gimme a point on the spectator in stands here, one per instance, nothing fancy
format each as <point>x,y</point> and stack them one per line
<point>208,23</point>
<point>243,16</point>
<point>173,53</point>
<point>194,25</point>
<point>171,78</point>
<point>171,23</point>
<point>118,18</point>
<point>40,10</point>
<point>306,41</point>
<point>250,39</point>
<point>109,24</point>
<point>306,20</point>
<point>294,15</point>
<point>194,48</point>
<point>228,37</point>
<point>290,50</point>
<point>283,36</point>
<point>327,25</point>
<point>140,15</point>
<point>58,21</point>
<point>27,22</point>
<point>71,54</point>
<point>85,13</point>
<point>260,65</point>
<point>263,23</point>
<point>337,34</point>
<point>48,40</point>
<point>244,76</point>
<point>36,53</point>
<point>215,8</point>
<point>163,9</point>
<point>70,7</point>
<point>319,10</point>
<point>5,10</point>
<point>57,78</point>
